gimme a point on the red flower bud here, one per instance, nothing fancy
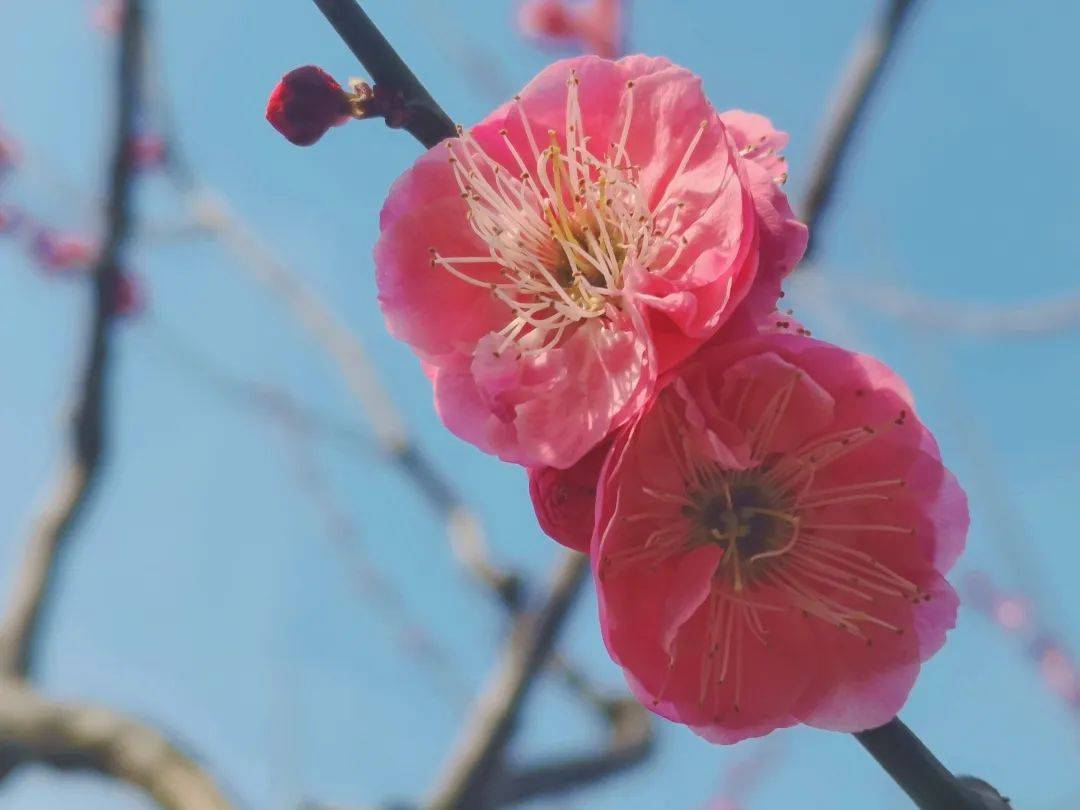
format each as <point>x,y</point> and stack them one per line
<point>306,103</point>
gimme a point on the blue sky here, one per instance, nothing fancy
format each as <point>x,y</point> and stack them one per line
<point>203,590</point>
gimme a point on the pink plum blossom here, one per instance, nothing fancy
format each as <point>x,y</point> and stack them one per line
<point>772,533</point>
<point>550,263</point>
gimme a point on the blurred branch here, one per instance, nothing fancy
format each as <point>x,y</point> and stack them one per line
<point>32,728</point>
<point>478,760</point>
<point>631,741</point>
<point>274,402</point>
<point>379,591</point>
<point>66,496</point>
<point>346,349</point>
<point>958,317</point>
<point>302,425</point>
<point>479,63</point>
<point>851,101</point>
<point>83,737</point>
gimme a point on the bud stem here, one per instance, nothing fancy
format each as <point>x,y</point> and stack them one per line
<point>423,118</point>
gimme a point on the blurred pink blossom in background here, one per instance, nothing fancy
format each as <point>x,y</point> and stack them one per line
<point>148,151</point>
<point>130,298</point>
<point>592,26</point>
<point>11,219</point>
<point>1015,614</point>
<point>106,15</point>
<point>60,252</point>
<point>9,153</point>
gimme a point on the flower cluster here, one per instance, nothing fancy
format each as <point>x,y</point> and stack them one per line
<point>590,277</point>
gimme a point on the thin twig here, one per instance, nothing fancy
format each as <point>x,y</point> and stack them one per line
<point>66,496</point>
<point>861,77</point>
<point>83,737</point>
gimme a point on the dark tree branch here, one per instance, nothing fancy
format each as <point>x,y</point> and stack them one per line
<point>63,503</point>
<point>925,780</point>
<point>420,114</point>
<point>83,737</point>
<point>861,77</point>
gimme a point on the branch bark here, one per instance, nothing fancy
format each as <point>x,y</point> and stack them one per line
<point>861,77</point>
<point>928,783</point>
<point>424,119</point>
<point>72,736</point>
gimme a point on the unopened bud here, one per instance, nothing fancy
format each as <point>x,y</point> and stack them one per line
<point>308,101</point>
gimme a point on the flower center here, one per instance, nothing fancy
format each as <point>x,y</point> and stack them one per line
<point>562,227</point>
<point>749,519</point>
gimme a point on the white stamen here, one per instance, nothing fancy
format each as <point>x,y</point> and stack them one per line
<point>559,232</point>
